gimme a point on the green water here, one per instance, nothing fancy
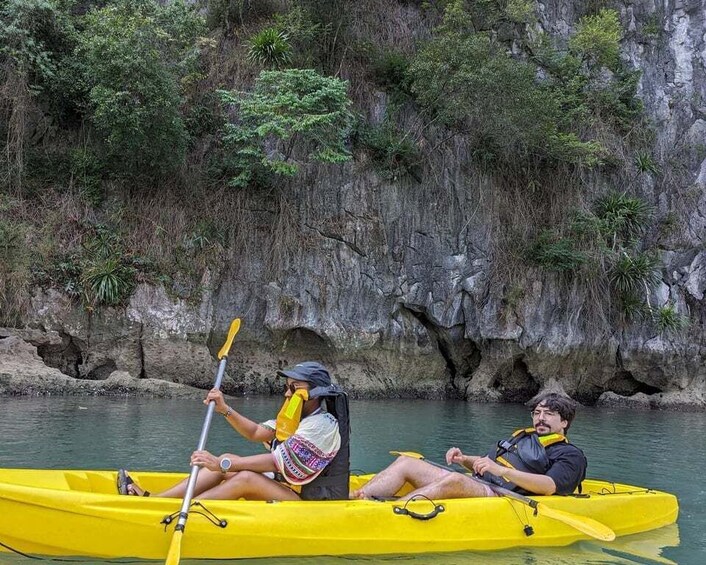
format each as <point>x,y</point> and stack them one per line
<point>662,450</point>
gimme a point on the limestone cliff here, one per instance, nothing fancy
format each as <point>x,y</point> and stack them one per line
<point>394,283</point>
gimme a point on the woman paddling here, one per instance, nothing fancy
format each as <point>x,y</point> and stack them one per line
<point>311,464</point>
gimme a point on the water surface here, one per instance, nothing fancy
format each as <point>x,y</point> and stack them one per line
<point>662,450</point>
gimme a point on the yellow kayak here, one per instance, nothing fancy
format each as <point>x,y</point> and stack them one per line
<point>79,513</point>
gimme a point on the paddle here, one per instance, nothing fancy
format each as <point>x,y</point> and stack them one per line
<point>174,554</point>
<point>588,526</point>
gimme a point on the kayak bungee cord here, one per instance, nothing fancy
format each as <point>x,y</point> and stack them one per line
<point>526,526</point>
<point>210,516</point>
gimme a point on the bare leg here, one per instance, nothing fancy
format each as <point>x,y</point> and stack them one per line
<point>454,485</point>
<point>403,470</point>
<point>251,486</point>
<point>205,480</point>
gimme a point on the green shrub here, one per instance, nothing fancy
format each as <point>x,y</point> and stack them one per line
<point>633,306</point>
<point>556,253</point>
<point>614,102</point>
<point>287,111</point>
<point>101,272</point>
<point>33,35</point>
<point>520,11</point>
<point>65,273</point>
<point>270,48</point>
<point>468,81</point>
<point>607,236</point>
<point>131,56</point>
<point>391,150</point>
<point>303,34</point>
<point>597,39</point>
<point>390,71</point>
<point>652,26</point>
<point>204,235</point>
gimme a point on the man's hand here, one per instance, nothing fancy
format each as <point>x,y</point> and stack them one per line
<point>217,396</point>
<point>206,459</point>
<point>454,455</point>
<point>487,465</point>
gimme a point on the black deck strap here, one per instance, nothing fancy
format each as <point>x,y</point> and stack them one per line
<point>404,511</point>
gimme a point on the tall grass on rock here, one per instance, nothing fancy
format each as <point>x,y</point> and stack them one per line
<point>603,243</point>
<point>270,48</point>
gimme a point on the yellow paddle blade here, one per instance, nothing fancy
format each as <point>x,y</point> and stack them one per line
<point>234,327</point>
<point>174,555</point>
<point>588,526</point>
<point>412,454</point>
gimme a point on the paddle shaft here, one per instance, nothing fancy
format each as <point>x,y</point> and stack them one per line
<point>496,488</point>
<point>588,526</point>
<point>184,512</point>
<point>191,485</point>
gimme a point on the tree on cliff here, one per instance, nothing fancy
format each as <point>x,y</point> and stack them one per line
<point>290,115</point>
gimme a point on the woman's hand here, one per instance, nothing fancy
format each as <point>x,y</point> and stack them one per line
<point>217,396</point>
<point>206,459</point>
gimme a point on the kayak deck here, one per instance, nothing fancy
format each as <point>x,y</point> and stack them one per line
<point>79,513</point>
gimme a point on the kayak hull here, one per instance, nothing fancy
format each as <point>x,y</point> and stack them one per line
<point>79,513</point>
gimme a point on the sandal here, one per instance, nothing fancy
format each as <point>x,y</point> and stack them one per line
<point>127,486</point>
<point>123,481</point>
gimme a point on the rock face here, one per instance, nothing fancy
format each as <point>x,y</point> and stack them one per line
<point>393,282</point>
<point>23,372</point>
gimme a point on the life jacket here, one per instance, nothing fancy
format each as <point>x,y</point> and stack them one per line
<point>525,451</point>
<point>333,482</point>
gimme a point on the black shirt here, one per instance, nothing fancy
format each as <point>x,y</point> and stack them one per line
<point>567,466</point>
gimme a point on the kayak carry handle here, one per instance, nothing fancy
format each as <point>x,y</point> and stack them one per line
<point>404,511</point>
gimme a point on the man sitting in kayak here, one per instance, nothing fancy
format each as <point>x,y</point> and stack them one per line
<point>311,463</point>
<point>536,460</point>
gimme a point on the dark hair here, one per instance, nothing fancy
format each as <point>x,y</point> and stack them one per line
<point>560,403</point>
